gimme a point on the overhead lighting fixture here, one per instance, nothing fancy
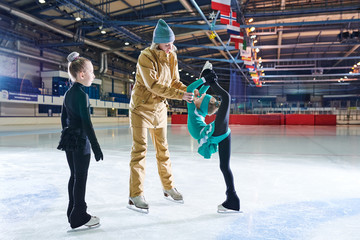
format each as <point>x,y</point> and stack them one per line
<point>180,70</point>
<point>77,19</point>
<point>103,31</point>
<point>358,63</point>
<point>251,20</point>
<point>133,72</point>
<point>192,76</point>
<point>187,74</point>
<point>252,29</point>
<point>257,50</point>
<point>42,1</point>
<point>255,41</point>
<point>127,43</point>
<point>253,36</point>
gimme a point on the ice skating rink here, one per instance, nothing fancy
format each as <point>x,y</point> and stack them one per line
<point>294,182</point>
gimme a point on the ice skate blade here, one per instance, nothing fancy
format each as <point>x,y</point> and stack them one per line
<point>140,210</point>
<point>173,200</point>
<point>83,228</point>
<point>228,211</point>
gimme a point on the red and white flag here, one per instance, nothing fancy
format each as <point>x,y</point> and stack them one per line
<point>229,18</point>
<point>221,5</point>
<point>237,38</point>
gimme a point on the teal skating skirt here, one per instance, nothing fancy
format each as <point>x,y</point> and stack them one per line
<point>209,144</point>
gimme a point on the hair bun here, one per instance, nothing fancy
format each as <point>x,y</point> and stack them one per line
<point>73,56</point>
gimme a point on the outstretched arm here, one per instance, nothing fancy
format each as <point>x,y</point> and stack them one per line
<point>194,85</point>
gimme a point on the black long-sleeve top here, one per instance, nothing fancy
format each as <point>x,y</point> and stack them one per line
<point>76,112</point>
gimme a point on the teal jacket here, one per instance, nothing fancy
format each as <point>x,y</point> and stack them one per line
<point>196,122</point>
<point>198,129</point>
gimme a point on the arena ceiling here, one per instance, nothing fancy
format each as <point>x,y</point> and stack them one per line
<point>300,42</point>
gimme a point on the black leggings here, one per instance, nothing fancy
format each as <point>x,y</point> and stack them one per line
<point>79,165</point>
<point>221,127</point>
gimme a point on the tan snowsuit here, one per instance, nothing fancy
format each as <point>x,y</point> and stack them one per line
<point>157,78</point>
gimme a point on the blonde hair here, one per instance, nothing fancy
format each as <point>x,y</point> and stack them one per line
<point>213,106</point>
<point>76,64</point>
<point>155,46</point>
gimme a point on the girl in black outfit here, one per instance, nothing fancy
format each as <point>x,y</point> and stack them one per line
<point>76,137</point>
<point>232,202</point>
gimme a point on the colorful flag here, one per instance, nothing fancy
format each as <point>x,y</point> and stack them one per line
<point>249,62</point>
<point>221,5</point>
<point>233,30</point>
<point>237,38</point>
<point>246,52</point>
<point>229,18</point>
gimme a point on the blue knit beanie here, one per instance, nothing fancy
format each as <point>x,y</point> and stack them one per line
<point>205,105</point>
<point>163,33</point>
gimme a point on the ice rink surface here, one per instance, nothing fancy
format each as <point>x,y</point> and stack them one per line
<point>294,182</point>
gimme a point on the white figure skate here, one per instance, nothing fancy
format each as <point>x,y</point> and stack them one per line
<point>173,195</point>
<point>138,204</point>
<point>222,209</point>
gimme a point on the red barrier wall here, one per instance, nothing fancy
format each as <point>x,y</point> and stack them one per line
<point>244,119</point>
<point>325,119</point>
<point>300,119</point>
<point>268,119</point>
<point>271,119</point>
<point>179,119</point>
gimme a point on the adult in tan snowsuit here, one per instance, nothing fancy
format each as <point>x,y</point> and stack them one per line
<point>157,78</point>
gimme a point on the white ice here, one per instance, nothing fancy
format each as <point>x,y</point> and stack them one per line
<point>294,182</point>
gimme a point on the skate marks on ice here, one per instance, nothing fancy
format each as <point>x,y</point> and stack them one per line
<point>26,205</point>
<point>298,220</point>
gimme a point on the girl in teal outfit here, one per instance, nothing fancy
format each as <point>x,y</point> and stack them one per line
<point>216,134</point>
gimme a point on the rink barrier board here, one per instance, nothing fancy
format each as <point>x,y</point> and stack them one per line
<point>268,119</point>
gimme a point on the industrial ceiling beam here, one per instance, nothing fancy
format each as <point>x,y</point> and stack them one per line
<point>265,25</point>
<point>57,29</point>
<point>309,59</point>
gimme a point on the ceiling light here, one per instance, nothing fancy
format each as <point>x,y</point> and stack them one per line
<point>103,31</point>
<point>42,1</point>
<point>355,65</point>
<point>255,41</point>
<point>126,43</point>
<point>350,72</point>
<point>257,50</point>
<point>252,29</point>
<point>358,63</point>
<point>180,70</point>
<point>345,77</point>
<point>251,20</point>
<point>192,76</point>
<point>133,72</point>
<point>187,74</point>
<point>77,19</point>
<point>253,36</point>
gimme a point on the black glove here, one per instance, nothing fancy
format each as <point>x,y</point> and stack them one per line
<point>98,153</point>
<point>210,76</point>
